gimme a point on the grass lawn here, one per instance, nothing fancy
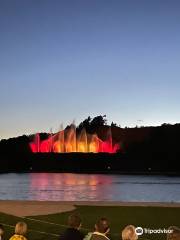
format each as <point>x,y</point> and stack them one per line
<point>50,226</point>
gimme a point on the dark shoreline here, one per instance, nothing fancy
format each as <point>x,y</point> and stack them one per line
<point>96,163</point>
<point>146,150</point>
<point>170,174</point>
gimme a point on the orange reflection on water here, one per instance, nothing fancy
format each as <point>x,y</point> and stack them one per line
<point>67,186</point>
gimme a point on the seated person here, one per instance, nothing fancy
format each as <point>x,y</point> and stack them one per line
<point>1,232</point>
<point>20,231</point>
<point>129,233</point>
<point>101,230</point>
<point>175,233</point>
<point>72,232</point>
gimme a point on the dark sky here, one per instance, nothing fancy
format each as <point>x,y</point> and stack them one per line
<point>65,60</point>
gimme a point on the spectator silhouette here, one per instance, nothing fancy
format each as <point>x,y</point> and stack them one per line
<point>1,232</point>
<point>175,233</point>
<point>73,231</point>
<point>20,231</point>
<point>129,233</point>
<point>101,230</point>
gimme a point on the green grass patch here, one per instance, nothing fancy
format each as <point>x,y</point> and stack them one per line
<point>50,226</point>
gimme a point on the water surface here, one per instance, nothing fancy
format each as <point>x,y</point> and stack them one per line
<point>89,187</point>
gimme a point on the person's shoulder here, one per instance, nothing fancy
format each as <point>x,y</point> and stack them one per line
<point>14,237</point>
<point>96,236</point>
<point>23,238</point>
<point>79,235</point>
<point>18,237</point>
<point>66,234</point>
<point>11,238</point>
<point>71,233</point>
<point>88,236</point>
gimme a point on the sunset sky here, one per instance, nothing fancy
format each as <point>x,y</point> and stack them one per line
<point>63,60</point>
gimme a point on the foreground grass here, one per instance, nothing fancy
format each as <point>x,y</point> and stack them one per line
<point>50,226</point>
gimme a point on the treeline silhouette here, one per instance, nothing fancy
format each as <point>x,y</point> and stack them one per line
<point>149,150</point>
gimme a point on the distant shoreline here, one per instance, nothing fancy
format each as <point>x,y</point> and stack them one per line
<point>100,163</point>
<point>147,150</point>
<point>169,174</point>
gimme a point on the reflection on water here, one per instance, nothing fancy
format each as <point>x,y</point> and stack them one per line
<point>68,187</point>
<point>89,187</point>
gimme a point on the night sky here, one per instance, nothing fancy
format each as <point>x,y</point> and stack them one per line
<point>67,59</point>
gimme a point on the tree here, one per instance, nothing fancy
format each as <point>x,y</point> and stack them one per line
<point>85,124</point>
<point>99,121</point>
<point>113,124</point>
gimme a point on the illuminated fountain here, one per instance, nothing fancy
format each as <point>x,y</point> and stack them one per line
<point>66,141</point>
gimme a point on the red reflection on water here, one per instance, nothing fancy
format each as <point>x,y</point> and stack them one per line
<point>67,186</point>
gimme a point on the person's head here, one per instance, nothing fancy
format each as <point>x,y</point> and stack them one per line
<point>21,228</point>
<point>102,226</point>
<point>1,230</point>
<point>129,233</point>
<point>74,221</point>
<point>174,233</point>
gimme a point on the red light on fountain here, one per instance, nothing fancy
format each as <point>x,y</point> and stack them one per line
<point>68,140</point>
